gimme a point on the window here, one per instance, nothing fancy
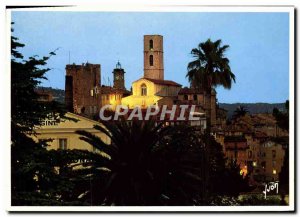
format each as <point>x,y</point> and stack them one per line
<point>273,153</point>
<point>273,163</point>
<point>250,154</point>
<point>195,97</point>
<point>151,60</point>
<point>263,164</point>
<point>144,90</point>
<point>185,97</point>
<point>62,144</point>
<point>151,44</point>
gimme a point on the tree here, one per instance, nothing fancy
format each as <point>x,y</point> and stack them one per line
<point>149,164</point>
<point>33,176</point>
<point>224,179</point>
<point>282,120</point>
<point>210,68</point>
<point>240,111</point>
<point>145,164</point>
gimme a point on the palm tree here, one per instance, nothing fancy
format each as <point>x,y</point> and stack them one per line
<point>210,68</point>
<point>240,111</point>
<point>145,164</point>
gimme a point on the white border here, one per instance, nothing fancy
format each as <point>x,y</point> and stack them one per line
<point>166,8</point>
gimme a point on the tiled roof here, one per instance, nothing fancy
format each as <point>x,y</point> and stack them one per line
<point>163,82</point>
<point>259,134</point>
<point>111,90</point>
<point>187,90</point>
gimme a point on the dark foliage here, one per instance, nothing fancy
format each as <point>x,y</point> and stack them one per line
<point>156,165</point>
<point>148,165</point>
<point>282,119</point>
<point>240,111</point>
<point>33,174</point>
<point>210,68</point>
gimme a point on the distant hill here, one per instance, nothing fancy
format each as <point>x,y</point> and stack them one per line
<point>253,108</point>
<point>58,94</point>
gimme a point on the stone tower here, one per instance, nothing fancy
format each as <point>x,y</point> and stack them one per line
<point>82,89</point>
<point>119,80</point>
<point>153,57</point>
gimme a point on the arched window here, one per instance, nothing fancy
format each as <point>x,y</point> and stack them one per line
<point>151,60</point>
<point>151,44</point>
<point>144,90</point>
<point>195,97</point>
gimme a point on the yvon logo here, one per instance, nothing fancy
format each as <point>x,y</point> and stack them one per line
<point>271,186</point>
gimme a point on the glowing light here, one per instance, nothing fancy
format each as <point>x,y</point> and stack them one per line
<point>244,171</point>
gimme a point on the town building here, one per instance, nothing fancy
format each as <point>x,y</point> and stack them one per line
<point>62,132</point>
<point>250,141</point>
<point>84,93</point>
<point>82,89</point>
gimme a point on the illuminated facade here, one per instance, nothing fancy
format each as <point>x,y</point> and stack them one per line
<point>152,88</point>
<point>147,92</point>
<point>63,132</point>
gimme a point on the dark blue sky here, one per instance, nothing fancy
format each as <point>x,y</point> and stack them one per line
<point>259,46</point>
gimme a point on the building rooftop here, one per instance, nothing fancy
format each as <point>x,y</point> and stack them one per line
<point>187,90</point>
<point>163,82</point>
<point>112,90</point>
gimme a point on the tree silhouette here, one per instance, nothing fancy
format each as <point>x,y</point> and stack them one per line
<point>210,68</point>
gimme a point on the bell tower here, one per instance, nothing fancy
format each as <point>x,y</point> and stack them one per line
<point>153,57</point>
<point>119,80</point>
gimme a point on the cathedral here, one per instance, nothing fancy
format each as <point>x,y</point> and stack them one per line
<point>85,95</point>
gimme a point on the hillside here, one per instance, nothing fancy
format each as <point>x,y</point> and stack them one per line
<point>58,94</point>
<point>253,108</point>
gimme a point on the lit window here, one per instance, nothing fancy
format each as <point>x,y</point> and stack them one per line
<point>254,164</point>
<point>274,172</point>
<point>62,144</point>
<point>144,90</point>
<point>151,60</point>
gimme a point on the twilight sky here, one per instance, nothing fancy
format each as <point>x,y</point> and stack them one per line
<point>258,53</point>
